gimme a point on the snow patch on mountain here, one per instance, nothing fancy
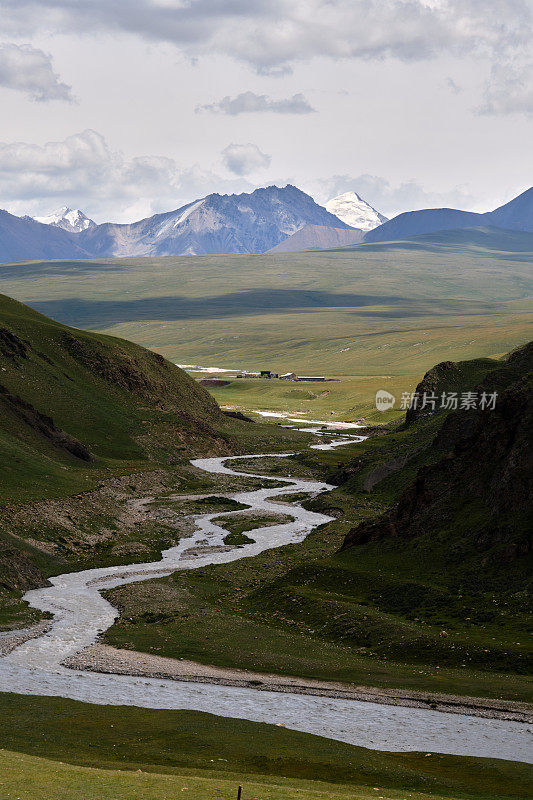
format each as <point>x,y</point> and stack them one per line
<point>70,219</point>
<point>355,211</point>
<point>177,218</point>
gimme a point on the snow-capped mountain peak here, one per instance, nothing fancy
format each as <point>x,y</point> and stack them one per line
<point>70,219</point>
<point>352,209</point>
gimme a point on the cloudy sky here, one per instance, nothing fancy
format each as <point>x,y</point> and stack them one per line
<point>128,107</point>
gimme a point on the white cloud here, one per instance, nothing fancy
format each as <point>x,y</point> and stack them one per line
<point>252,103</point>
<point>274,34</point>
<point>83,171</point>
<point>509,90</point>
<point>29,70</point>
<point>242,159</point>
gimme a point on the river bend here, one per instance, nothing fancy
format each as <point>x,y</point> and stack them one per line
<point>80,614</point>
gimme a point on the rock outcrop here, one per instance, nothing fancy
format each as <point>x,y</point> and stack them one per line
<point>480,491</point>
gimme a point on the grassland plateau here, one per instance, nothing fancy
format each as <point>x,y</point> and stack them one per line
<point>376,316</point>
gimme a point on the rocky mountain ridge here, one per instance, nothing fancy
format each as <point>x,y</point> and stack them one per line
<point>247,223</point>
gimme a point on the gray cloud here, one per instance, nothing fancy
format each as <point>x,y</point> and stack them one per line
<point>242,159</point>
<point>273,34</point>
<point>509,90</point>
<point>29,70</point>
<point>252,103</point>
<point>82,170</point>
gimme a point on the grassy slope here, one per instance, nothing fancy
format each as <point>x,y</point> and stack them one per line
<point>371,615</point>
<point>345,399</point>
<point>377,310</point>
<point>76,409</point>
<point>170,742</point>
<point>128,406</point>
<point>104,392</point>
<point>29,778</point>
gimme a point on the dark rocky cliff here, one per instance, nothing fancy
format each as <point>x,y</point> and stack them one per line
<point>480,491</point>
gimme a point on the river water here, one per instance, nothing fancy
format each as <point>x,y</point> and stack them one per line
<point>80,614</point>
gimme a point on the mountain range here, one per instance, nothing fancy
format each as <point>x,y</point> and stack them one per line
<point>238,223</point>
<point>244,223</point>
<point>278,219</point>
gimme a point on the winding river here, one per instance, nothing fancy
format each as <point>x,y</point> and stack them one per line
<point>80,614</point>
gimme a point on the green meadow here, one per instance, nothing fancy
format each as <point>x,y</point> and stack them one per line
<point>143,754</point>
<point>367,314</point>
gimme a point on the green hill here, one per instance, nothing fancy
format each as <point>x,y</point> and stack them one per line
<point>76,403</point>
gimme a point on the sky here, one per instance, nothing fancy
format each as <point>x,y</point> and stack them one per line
<point>125,108</point>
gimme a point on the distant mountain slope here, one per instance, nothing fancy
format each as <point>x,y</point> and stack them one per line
<point>244,223</point>
<point>24,239</point>
<point>318,237</point>
<point>352,209</point>
<point>223,224</point>
<point>488,238</point>
<point>414,223</point>
<point>71,220</point>
<point>235,224</point>
<point>515,215</point>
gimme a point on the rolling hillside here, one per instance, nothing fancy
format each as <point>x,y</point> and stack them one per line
<point>516,215</point>
<point>473,504</point>
<point>73,401</point>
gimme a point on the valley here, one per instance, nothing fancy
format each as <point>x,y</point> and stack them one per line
<point>388,770</point>
<point>306,589</point>
<point>266,400</point>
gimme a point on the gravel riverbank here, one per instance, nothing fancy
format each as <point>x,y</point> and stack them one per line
<point>102,658</point>
<point>9,640</point>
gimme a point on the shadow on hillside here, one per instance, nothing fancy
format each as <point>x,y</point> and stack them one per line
<point>101,314</point>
